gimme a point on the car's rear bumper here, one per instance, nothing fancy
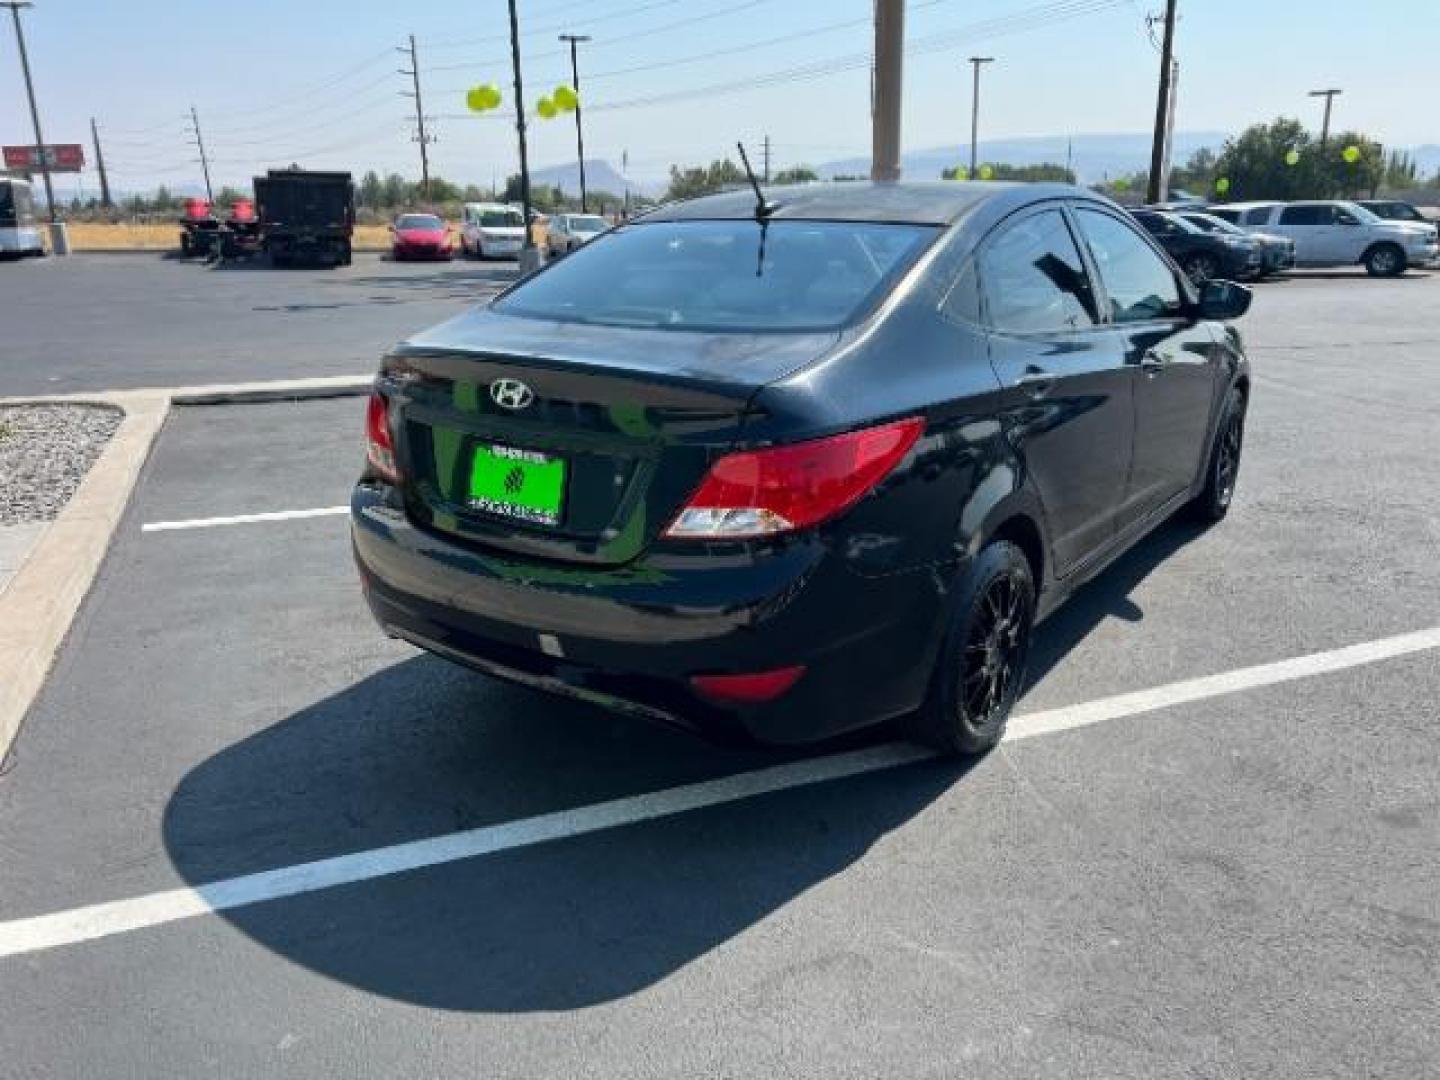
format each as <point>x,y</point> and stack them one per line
<point>631,637</point>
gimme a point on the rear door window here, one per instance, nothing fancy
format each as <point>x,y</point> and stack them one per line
<point>1306,215</point>
<point>1139,283</point>
<point>1033,279</point>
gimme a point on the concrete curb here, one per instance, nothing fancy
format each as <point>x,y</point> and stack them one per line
<point>38,606</point>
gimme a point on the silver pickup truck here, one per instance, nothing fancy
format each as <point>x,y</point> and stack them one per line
<point>1339,233</point>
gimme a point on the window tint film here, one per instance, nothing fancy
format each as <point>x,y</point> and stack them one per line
<point>725,275</point>
<point>1139,283</point>
<point>1034,279</point>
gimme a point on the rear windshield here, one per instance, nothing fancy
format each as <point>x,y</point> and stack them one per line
<point>501,219</point>
<point>724,275</point>
<point>588,224</point>
<point>418,221</point>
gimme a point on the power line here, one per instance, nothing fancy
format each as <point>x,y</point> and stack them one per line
<point>608,17</point>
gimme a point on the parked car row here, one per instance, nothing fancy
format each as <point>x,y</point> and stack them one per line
<point>1338,232</point>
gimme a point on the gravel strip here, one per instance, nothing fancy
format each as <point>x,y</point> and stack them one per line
<point>45,451</point>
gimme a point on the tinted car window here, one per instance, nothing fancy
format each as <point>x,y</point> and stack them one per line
<point>501,219</point>
<point>1139,283</point>
<point>418,221</point>
<point>1306,215</point>
<point>1260,215</point>
<point>724,275</point>
<point>1033,278</point>
<point>1231,216</point>
<point>962,302</point>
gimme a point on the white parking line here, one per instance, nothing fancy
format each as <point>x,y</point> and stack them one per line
<point>121,916</point>
<point>243,519</point>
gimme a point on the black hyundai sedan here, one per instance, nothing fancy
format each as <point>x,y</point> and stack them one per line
<point>785,469</point>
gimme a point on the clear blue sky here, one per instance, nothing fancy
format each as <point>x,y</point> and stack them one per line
<point>315,80</point>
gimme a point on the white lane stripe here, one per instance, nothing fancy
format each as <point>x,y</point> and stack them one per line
<point>243,519</point>
<point>120,916</point>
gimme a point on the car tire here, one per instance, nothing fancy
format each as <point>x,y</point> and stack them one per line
<point>1385,260</point>
<point>1222,464</point>
<point>1201,267</point>
<point>981,666</point>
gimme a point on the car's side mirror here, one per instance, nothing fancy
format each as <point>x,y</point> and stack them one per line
<point>1224,300</point>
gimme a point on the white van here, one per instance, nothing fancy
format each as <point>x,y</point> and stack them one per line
<point>19,235</point>
<point>491,230</point>
<point>1335,232</point>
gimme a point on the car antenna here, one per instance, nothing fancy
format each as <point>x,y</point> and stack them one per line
<point>763,209</point>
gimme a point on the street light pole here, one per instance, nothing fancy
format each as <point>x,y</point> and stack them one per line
<point>15,6</point>
<point>529,254</point>
<point>976,62</point>
<point>1329,96</point>
<point>1162,107</point>
<point>886,89</point>
<point>575,39</point>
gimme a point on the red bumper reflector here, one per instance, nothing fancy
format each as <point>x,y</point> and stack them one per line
<point>749,689</point>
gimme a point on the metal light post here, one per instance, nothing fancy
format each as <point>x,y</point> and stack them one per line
<point>529,253</point>
<point>574,40</point>
<point>1329,96</point>
<point>977,62</point>
<point>15,6</point>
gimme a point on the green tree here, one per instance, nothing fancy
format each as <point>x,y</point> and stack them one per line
<point>162,199</point>
<point>702,180</point>
<point>1197,175</point>
<point>371,193</point>
<point>472,193</point>
<point>1044,173</point>
<point>394,192</point>
<point>797,174</point>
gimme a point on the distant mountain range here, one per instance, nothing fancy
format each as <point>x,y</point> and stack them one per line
<point>599,177</point>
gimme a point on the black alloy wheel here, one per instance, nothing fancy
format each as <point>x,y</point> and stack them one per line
<point>1213,502</point>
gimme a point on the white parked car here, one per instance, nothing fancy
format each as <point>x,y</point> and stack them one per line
<point>1336,232</point>
<point>568,231</point>
<point>491,230</point>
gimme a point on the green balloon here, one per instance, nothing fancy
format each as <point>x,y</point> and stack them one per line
<point>1351,154</point>
<point>1222,185</point>
<point>1292,157</point>
<point>492,95</point>
<point>483,98</point>
<point>565,98</point>
<point>986,172</point>
<point>546,108</point>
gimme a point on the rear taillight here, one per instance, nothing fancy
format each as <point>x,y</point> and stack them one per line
<point>379,446</point>
<point>752,688</point>
<point>783,488</point>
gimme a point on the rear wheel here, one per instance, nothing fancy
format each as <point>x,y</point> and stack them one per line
<point>1385,260</point>
<point>1223,468</point>
<point>1201,267</point>
<point>981,666</point>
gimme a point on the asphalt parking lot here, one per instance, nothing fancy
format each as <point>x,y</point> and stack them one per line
<point>122,321</point>
<point>1243,884</point>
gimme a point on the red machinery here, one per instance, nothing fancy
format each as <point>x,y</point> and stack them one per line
<point>199,228</point>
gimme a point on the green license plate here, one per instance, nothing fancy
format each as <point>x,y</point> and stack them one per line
<point>522,484</point>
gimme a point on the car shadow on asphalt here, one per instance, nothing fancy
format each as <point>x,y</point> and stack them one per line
<point>1108,596</point>
<point>422,749</point>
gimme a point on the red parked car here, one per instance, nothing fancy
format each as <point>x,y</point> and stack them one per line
<point>420,236</point>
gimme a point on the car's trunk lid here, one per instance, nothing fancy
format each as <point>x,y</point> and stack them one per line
<point>633,417</point>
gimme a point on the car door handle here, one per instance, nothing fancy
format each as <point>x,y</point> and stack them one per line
<point>1152,363</point>
<point>1036,381</point>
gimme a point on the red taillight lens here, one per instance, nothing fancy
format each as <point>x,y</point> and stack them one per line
<point>765,492</point>
<point>749,689</point>
<point>379,446</point>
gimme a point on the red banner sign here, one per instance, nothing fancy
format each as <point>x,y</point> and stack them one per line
<point>61,157</point>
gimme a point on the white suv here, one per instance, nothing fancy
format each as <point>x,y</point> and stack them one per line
<point>491,229</point>
<point>1340,233</point>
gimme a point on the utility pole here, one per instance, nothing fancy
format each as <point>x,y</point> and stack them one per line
<point>420,136</point>
<point>529,254</point>
<point>574,40</point>
<point>1329,96</point>
<point>765,147</point>
<point>204,161</point>
<point>1162,105</point>
<point>887,89</point>
<point>977,62</point>
<point>1165,163</point>
<point>15,6</point>
<point>100,165</point>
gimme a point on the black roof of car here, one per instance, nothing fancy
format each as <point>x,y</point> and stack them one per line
<point>935,202</point>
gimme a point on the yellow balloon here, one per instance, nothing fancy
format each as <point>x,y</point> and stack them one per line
<point>1351,154</point>
<point>546,108</point>
<point>492,95</point>
<point>475,98</point>
<point>986,172</point>
<point>1292,157</point>
<point>1222,185</point>
<point>565,98</point>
